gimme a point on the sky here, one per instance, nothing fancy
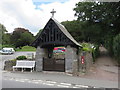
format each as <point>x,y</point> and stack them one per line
<point>34,14</point>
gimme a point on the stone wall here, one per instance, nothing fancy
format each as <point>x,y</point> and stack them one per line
<point>70,57</point>
<point>40,53</point>
<point>79,67</point>
<point>9,64</point>
<point>88,61</point>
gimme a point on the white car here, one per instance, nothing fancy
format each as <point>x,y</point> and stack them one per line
<point>7,51</point>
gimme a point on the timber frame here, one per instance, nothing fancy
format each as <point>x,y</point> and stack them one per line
<point>54,34</point>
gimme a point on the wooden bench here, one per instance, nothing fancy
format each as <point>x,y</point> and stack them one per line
<point>24,64</point>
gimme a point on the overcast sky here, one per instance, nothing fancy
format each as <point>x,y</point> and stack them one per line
<point>34,14</point>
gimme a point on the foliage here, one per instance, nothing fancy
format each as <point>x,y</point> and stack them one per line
<point>95,53</point>
<point>0,46</point>
<point>38,33</point>
<point>13,62</point>
<point>6,39</point>
<point>19,37</point>
<point>116,47</point>
<point>101,20</point>
<point>94,49</point>
<point>109,45</point>
<point>2,33</point>
<point>101,23</point>
<point>21,57</point>
<point>85,31</point>
<point>87,47</point>
<point>22,37</point>
<point>2,29</point>
<point>8,46</point>
<point>27,48</point>
<point>101,12</point>
<point>74,27</point>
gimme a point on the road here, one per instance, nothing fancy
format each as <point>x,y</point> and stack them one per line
<point>46,79</point>
<point>10,83</point>
<point>12,56</point>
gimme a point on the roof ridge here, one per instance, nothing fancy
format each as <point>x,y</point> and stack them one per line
<point>65,31</point>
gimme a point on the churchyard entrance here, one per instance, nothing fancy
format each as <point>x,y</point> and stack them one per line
<point>53,35</point>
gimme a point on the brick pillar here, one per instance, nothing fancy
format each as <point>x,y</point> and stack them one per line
<point>70,57</point>
<point>40,53</point>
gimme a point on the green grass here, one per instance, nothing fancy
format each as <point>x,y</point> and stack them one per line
<point>7,45</point>
<point>27,48</point>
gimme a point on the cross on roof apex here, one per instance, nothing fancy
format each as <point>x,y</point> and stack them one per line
<point>53,12</point>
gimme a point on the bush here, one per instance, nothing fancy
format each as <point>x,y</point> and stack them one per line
<point>116,47</point>
<point>109,45</point>
<point>87,47</point>
<point>26,48</point>
<point>94,49</point>
<point>95,53</point>
<point>21,57</point>
<point>13,62</point>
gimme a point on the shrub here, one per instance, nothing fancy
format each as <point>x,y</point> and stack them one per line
<point>13,62</point>
<point>116,47</point>
<point>86,47</point>
<point>3,46</point>
<point>21,57</point>
<point>94,49</point>
<point>95,53</point>
<point>26,48</point>
<point>109,45</point>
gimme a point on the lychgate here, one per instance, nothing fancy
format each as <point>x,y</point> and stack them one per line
<point>55,34</point>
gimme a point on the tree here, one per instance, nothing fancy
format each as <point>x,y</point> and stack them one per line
<point>26,38</point>
<point>21,37</point>
<point>116,47</point>
<point>103,14</point>
<point>84,31</point>
<point>103,21</point>
<point>38,33</point>
<point>3,34</point>
<point>6,39</point>
<point>2,29</point>
<point>74,27</point>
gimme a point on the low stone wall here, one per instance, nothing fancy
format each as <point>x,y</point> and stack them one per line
<point>9,64</point>
<point>88,61</point>
<point>75,68</point>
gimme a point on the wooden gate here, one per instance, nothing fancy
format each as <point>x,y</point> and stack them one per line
<point>53,64</point>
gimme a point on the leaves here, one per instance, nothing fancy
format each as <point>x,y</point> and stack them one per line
<point>22,37</point>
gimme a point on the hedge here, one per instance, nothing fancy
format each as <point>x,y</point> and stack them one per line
<point>116,47</point>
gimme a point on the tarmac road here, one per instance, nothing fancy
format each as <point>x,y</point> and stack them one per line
<point>22,84</point>
<point>13,79</point>
<point>12,56</point>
